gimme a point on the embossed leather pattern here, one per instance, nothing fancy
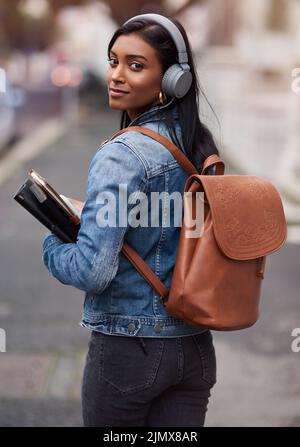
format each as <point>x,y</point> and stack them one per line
<point>247,214</point>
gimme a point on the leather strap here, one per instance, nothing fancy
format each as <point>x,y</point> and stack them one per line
<point>177,153</point>
<point>145,270</point>
<point>214,159</point>
<point>129,252</point>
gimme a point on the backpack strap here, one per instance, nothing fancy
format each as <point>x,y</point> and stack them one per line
<point>177,153</point>
<point>182,159</point>
<point>212,160</point>
<point>136,260</point>
<point>145,270</point>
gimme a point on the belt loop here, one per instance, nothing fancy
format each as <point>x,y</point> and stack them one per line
<point>143,345</point>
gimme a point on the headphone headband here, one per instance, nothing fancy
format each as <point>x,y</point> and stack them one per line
<point>173,30</point>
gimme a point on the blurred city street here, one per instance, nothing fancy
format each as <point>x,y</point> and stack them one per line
<point>54,114</point>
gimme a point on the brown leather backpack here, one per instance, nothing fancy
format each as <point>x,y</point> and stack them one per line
<point>217,276</point>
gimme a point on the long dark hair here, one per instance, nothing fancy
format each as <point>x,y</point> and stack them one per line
<point>197,139</point>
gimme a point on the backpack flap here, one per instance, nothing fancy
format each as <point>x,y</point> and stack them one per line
<point>247,214</point>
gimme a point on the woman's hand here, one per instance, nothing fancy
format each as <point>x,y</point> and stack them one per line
<point>77,204</point>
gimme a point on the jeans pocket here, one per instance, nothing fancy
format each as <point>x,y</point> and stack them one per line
<point>207,355</point>
<point>125,365</point>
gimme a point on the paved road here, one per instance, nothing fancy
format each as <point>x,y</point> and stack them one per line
<point>258,379</point>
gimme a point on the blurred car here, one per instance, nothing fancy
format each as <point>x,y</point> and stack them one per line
<point>7,121</point>
<point>10,101</point>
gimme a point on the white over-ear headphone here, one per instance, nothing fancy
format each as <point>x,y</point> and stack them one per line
<point>177,80</point>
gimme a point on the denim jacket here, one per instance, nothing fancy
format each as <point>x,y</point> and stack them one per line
<point>118,300</point>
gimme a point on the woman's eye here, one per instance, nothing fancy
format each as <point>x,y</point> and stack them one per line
<point>137,63</point>
<point>111,61</point>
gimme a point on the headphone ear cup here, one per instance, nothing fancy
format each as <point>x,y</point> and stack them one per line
<point>176,82</point>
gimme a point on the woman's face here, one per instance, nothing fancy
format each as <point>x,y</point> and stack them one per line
<point>135,69</point>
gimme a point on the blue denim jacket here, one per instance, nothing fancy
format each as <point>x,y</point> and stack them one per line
<point>118,300</point>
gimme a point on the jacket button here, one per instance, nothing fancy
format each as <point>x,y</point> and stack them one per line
<point>157,327</point>
<point>131,327</point>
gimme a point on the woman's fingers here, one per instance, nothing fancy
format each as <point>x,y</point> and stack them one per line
<point>77,204</point>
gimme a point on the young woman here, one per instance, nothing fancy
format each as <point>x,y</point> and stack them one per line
<point>143,367</point>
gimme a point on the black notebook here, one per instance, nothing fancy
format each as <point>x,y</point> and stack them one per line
<point>51,209</point>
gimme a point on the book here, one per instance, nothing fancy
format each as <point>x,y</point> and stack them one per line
<point>55,211</point>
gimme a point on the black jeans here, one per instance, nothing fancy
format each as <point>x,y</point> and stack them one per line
<point>152,382</point>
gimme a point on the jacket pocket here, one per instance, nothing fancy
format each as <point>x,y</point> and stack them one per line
<point>126,366</point>
<point>207,355</point>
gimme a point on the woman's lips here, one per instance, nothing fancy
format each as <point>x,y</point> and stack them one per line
<point>116,94</point>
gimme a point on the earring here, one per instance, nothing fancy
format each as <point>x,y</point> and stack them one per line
<point>162,98</point>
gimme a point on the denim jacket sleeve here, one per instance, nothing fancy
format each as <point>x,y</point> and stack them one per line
<point>91,263</point>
